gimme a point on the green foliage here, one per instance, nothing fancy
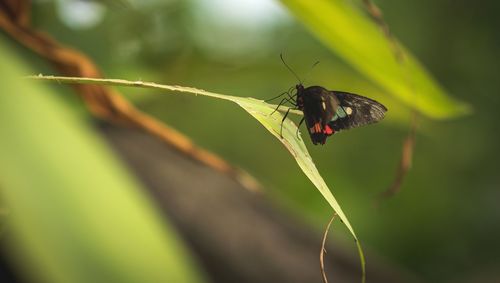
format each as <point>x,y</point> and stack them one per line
<point>260,111</point>
<point>453,185</point>
<point>354,37</point>
<point>76,215</point>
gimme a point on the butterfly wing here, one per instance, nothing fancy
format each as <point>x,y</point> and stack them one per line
<point>355,110</point>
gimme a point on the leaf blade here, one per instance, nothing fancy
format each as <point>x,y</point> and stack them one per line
<point>295,145</point>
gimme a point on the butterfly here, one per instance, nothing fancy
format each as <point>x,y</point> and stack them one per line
<point>328,111</point>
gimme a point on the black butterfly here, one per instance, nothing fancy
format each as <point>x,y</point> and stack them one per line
<point>327,112</point>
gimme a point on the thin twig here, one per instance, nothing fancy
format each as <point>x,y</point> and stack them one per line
<point>404,164</point>
<point>408,147</point>
<point>322,252</point>
<point>377,16</point>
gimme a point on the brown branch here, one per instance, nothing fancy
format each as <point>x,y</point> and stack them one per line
<point>322,252</point>
<point>104,102</point>
<point>404,163</point>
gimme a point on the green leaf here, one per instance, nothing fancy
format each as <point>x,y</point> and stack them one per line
<point>75,214</point>
<point>353,36</point>
<point>260,111</point>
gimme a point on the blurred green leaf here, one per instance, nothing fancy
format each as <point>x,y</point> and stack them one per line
<point>353,36</point>
<point>75,214</point>
<point>260,111</point>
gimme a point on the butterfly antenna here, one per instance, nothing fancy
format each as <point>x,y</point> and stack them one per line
<point>310,70</point>
<point>290,69</point>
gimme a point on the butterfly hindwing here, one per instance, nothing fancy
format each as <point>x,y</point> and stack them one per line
<point>319,108</point>
<point>355,110</point>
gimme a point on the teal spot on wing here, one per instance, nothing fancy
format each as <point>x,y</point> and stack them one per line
<point>339,114</point>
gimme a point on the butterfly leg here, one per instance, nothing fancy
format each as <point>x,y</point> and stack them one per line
<point>281,103</point>
<point>282,121</point>
<point>291,100</point>
<point>289,92</point>
<point>298,127</point>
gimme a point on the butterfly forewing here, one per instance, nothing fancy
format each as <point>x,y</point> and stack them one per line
<point>355,110</point>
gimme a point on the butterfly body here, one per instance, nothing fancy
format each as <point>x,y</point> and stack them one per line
<point>327,112</point>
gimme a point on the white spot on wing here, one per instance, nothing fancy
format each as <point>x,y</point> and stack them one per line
<point>348,110</point>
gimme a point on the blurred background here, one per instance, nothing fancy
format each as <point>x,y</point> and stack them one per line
<point>82,200</point>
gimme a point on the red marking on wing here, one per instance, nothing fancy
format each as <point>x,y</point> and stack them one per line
<point>316,128</point>
<point>328,130</point>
